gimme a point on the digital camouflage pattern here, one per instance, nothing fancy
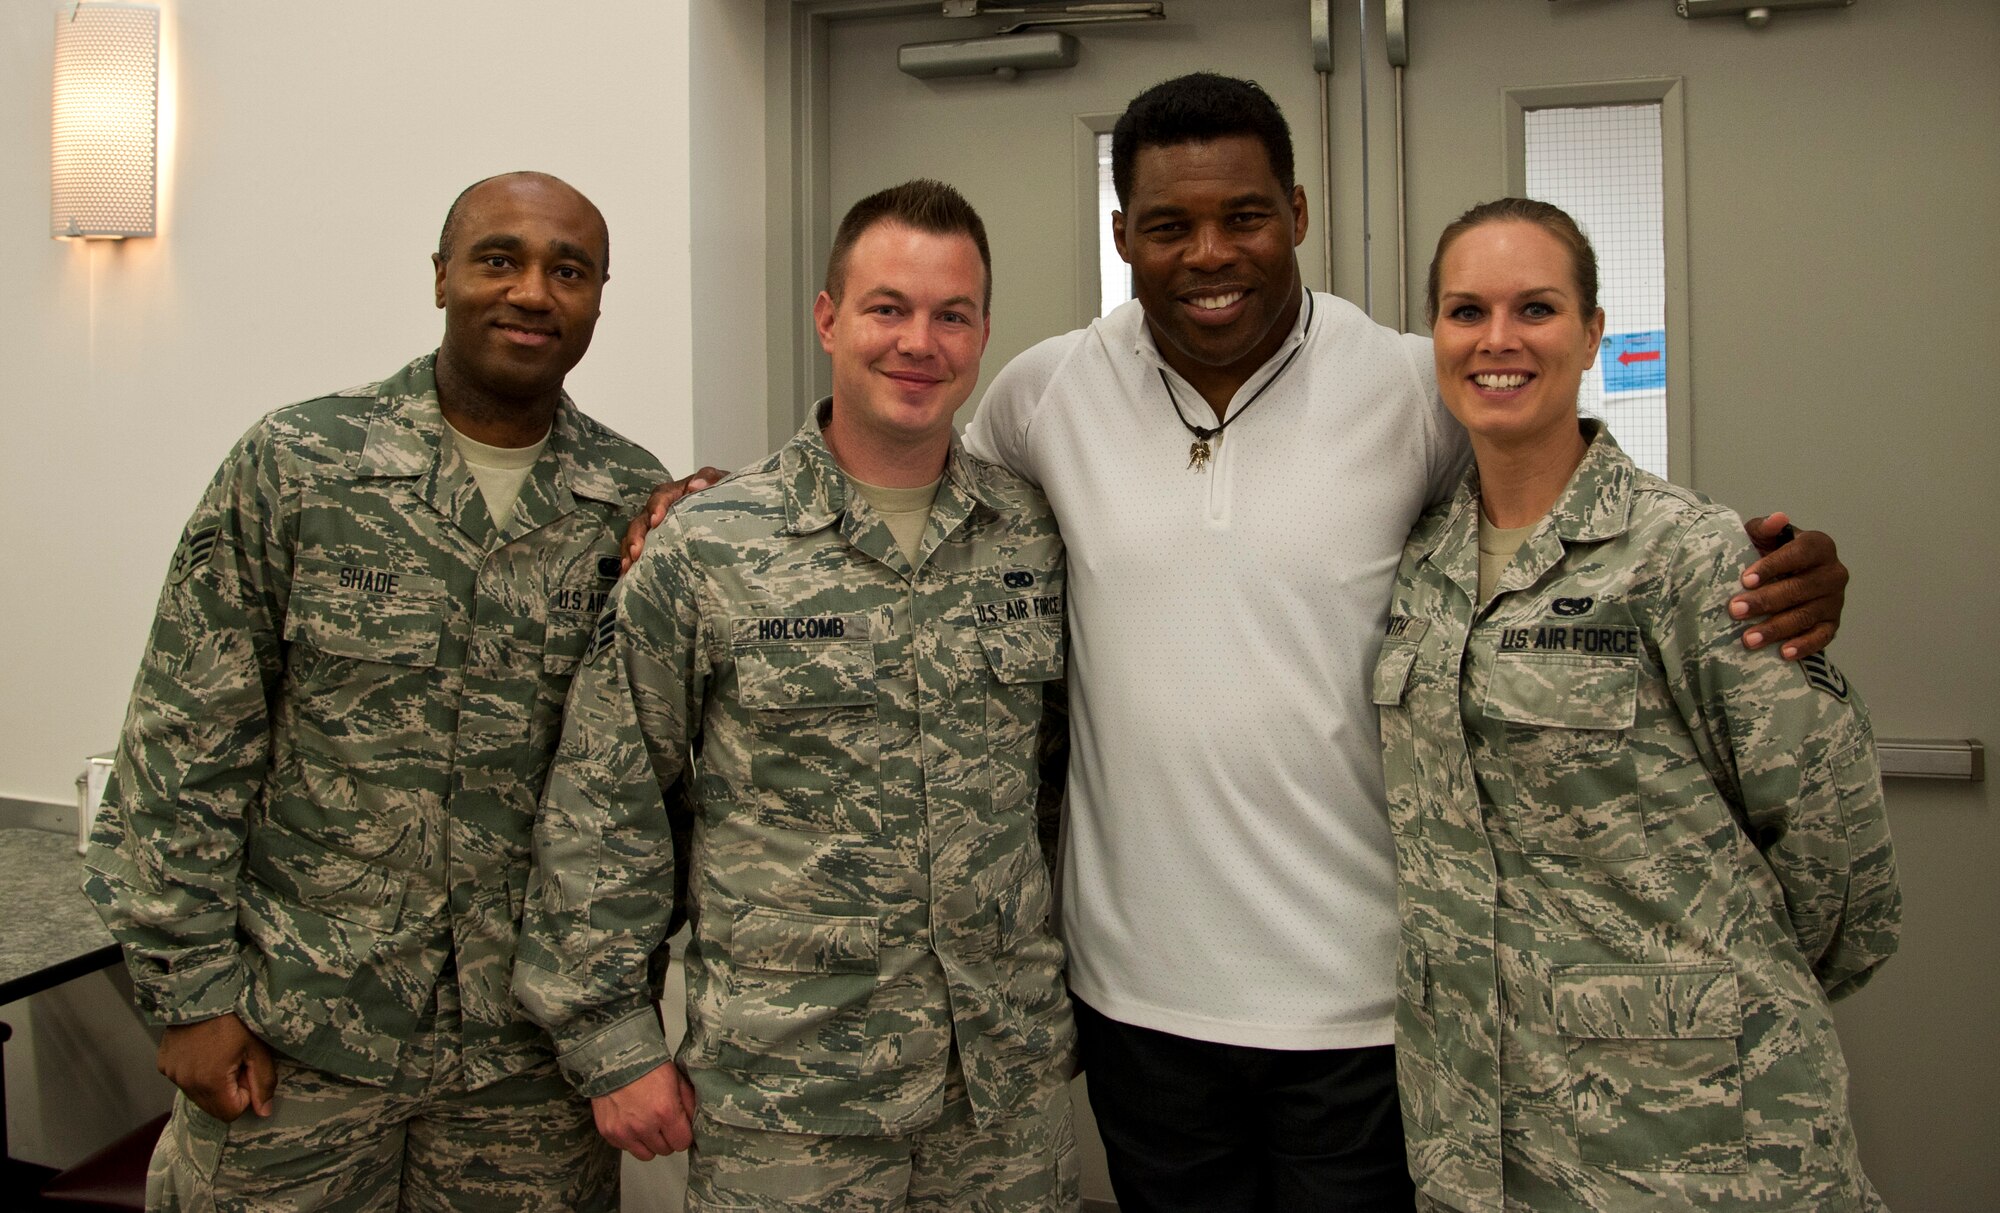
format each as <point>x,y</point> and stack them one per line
<point>864,881</point>
<point>326,784</point>
<point>1025,1162</point>
<point>1670,852</point>
<point>334,1145</point>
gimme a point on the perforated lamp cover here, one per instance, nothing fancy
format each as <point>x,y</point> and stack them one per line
<point>105,145</point>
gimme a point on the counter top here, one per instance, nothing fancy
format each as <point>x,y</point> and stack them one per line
<point>49,931</point>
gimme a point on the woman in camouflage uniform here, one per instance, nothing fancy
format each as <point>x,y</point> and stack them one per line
<point>1636,861</point>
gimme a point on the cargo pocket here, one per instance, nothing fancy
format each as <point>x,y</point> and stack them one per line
<point>813,762</point>
<point>1655,1077</point>
<point>1069,1168</point>
<point>799,988</point>
<point>567,637</point>
<point>184,1176</point>
<point>1568,767</point>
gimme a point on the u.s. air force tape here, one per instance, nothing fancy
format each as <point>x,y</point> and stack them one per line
<point>1571,638</point>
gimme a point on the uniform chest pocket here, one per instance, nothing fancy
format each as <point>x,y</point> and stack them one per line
<point>1021,653</point>
<point>814,734</point>
<point>568,636</point>
<point>367,614</point>
<point>1654,1071</point>
<point>1022,658</point>
<point>1558,732</point>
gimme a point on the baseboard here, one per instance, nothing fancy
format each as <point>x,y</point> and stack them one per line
<point>51,815</point>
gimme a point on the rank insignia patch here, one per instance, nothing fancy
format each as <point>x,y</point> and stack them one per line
<point>196,547</point>
<point>601,637</point>
<point>1820,672</point>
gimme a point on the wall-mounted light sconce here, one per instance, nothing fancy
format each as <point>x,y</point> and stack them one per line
<point>106,131</point>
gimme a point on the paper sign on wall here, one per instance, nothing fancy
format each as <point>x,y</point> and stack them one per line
<point>1634,362</point>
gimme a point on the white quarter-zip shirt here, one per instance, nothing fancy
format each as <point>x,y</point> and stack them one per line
<point>1228,873</point>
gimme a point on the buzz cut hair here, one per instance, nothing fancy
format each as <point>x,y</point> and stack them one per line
<point>923,204</point>
<point>448,234</point>
<point>1197,108</point>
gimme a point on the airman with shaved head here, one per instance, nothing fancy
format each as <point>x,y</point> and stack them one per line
<point>316,843</point>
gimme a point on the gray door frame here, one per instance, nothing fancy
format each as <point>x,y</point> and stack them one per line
<point>799,232</point>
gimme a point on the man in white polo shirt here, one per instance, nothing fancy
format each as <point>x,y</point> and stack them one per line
<point>1235,463</point>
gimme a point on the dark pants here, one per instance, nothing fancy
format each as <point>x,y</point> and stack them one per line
<point>1212,1128</point>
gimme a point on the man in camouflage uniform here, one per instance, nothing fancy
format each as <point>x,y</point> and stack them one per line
<point>315,845</point>
<point>1635,862</point>
<point>851,640</point>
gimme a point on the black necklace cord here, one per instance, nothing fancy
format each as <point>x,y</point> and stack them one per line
<point>1203,433</point>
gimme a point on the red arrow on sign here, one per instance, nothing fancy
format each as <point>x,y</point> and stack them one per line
<point>1631,356</point>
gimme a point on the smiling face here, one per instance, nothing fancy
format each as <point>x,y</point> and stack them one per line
<point>1512,338</point>
<point>905,336</point>
<point>520,287</point>
<point>1209,232</point>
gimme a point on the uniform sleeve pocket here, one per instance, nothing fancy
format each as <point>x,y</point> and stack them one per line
<point>1392,674</point>
<point>1867,916</point>
<point>1655,1076</point>
<point>1418,1058</point>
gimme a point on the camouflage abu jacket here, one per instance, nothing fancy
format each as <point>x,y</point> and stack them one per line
<point>865,885</point>
<point>327,779</point>
<point>1669,852</point>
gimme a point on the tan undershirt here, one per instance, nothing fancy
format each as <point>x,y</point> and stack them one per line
<point>905,510</point>
<point>1496,548</point>
<point>500,471</point>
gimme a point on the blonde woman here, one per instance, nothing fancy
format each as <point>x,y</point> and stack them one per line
<point>1635,860</point>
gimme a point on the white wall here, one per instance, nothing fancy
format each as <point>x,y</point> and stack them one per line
<point>309,153</point>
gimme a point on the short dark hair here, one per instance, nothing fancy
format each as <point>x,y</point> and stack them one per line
<point>449,232</point>
<point>1195,109</point>
<point>1552,219</point>
<point>923,204</point>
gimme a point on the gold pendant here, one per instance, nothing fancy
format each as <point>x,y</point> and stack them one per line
<point>1198,454</point>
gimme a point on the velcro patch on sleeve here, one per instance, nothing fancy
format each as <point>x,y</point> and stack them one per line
<point>197,546</point>
<point>1822,674</point>
<point>605,632</point>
